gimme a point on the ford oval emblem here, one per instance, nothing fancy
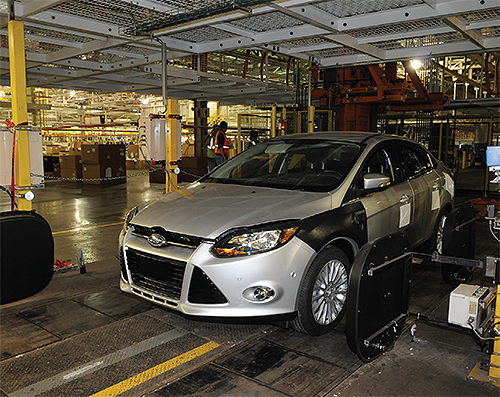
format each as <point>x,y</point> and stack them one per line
<point>157,240</point>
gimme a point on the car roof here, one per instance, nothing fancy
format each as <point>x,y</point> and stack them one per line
<point>345,136</point>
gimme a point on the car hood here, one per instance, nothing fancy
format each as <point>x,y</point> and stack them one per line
<point>209,209</point>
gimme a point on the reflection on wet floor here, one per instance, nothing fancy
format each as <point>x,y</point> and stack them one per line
<point>74,210</point>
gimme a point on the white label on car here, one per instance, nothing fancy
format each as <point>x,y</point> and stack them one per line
<point>436,200</point>
<point>449,185</point>
<point>404,215</point>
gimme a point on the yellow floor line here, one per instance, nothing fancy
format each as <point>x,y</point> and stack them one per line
<point>155,371</point>
<point>77,229</point>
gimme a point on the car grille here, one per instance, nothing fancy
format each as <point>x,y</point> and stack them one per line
<point>122,265</point>
<point>203,290</point>
<point>156,274</point>
<point>182,240</point>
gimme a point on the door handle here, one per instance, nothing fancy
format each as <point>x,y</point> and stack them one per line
<point>404,199</point>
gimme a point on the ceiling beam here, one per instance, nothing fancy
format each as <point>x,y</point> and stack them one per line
<point>459,25</point>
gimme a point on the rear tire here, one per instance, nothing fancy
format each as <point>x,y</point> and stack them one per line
<point>323,293</point>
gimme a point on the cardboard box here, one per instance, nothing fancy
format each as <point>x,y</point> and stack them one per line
<point>103,154</point>
<point>137,165</point>
<point>48,163</point>
<point>192,166</point>
<point>133,152</point>
<point>99,171</point>
<point>67,173</point>
<point>70,161</point>
<point>187,149</point>
<point>52,150</point>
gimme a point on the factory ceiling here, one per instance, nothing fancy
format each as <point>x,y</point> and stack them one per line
<point>233,51</point>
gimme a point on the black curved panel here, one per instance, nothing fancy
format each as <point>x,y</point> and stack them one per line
<point>348,221</point>
<point>26,255</point>
<point>378,295</point>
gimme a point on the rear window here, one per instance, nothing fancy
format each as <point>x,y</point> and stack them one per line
<point>302,164</point>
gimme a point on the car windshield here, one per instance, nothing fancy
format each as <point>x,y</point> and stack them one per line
<point>296,164</point>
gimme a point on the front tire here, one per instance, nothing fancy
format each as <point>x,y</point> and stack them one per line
<point>323,293</point>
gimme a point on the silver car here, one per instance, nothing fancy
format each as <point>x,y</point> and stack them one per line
<point>274,230</point>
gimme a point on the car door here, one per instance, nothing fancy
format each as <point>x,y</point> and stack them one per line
<point>388,209</point>
<point>417,171</point>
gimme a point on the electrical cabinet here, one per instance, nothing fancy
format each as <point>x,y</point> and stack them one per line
<point>152,138</point>
<point>36,157</point>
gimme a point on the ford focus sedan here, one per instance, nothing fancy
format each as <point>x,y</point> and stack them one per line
<point>274,230</point>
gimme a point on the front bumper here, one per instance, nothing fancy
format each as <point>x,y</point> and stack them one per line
<point>194,282</point>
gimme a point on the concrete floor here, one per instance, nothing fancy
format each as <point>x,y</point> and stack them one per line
<point>81,336</point>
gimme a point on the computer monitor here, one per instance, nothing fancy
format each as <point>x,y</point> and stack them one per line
<point>493,156</point>
<point>493,161</point>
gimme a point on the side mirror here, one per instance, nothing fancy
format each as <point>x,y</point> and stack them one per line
<point>375,181</point>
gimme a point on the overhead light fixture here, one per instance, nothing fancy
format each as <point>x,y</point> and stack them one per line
<point>416,64</point>
<point>72,93</point>
<point>145,101</point>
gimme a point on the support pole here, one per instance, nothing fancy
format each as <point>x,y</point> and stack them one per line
<point>19,109</point>
<point>283,117</point>
<point>238,136</point>
<point>495,355</point>
<point>172,145</point>
<point>273,121</point>
<point>310,119</point>
<point>487,171</point>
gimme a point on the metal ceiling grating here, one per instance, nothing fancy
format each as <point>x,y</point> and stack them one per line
<point>422,41</point>
<point>41,48</point>
<point>482,16</point>
<point>102,57</point>
<point>349,8</point>
<point>333,52</point>
<point>305,42</point>
<point>398,28</point>
<point>82,33</point>
<point>201,35</point>
<point>133,49</point>
<point>55,34</point>
<point>118,12</point>
<point>491,32</point>
<point>209,8</point>
<point>270,21</point>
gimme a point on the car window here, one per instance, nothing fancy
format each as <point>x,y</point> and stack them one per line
<point>380,162</point>
<point>298,164</point>
<point>412,163</point>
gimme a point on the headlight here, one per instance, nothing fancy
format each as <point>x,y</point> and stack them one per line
<point>248,241</point>
<point>132,213</point>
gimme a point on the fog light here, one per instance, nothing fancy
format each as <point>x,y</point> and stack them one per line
<point>259,294</point>
<point>263,293</point>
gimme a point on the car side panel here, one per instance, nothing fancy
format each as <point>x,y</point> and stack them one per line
<point>348,221</point>
<point>389,211</point>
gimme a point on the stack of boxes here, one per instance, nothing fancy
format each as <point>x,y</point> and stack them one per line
<point>70,164</point>
<point>135,160</point>
<point>103,161</point>
<point>51,163</point>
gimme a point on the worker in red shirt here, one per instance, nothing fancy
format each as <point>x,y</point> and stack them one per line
<point>222,144</point>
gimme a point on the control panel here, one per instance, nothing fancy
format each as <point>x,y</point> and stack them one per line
<point>471,306</point>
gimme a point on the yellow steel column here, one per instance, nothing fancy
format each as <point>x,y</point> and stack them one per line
<point>283,117</point>
<point>17,60</point>
<point>172,145</point>
<point>310,119</point>
<point>238,136</point>
<point>495,356</point>
<point>273,121</point>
